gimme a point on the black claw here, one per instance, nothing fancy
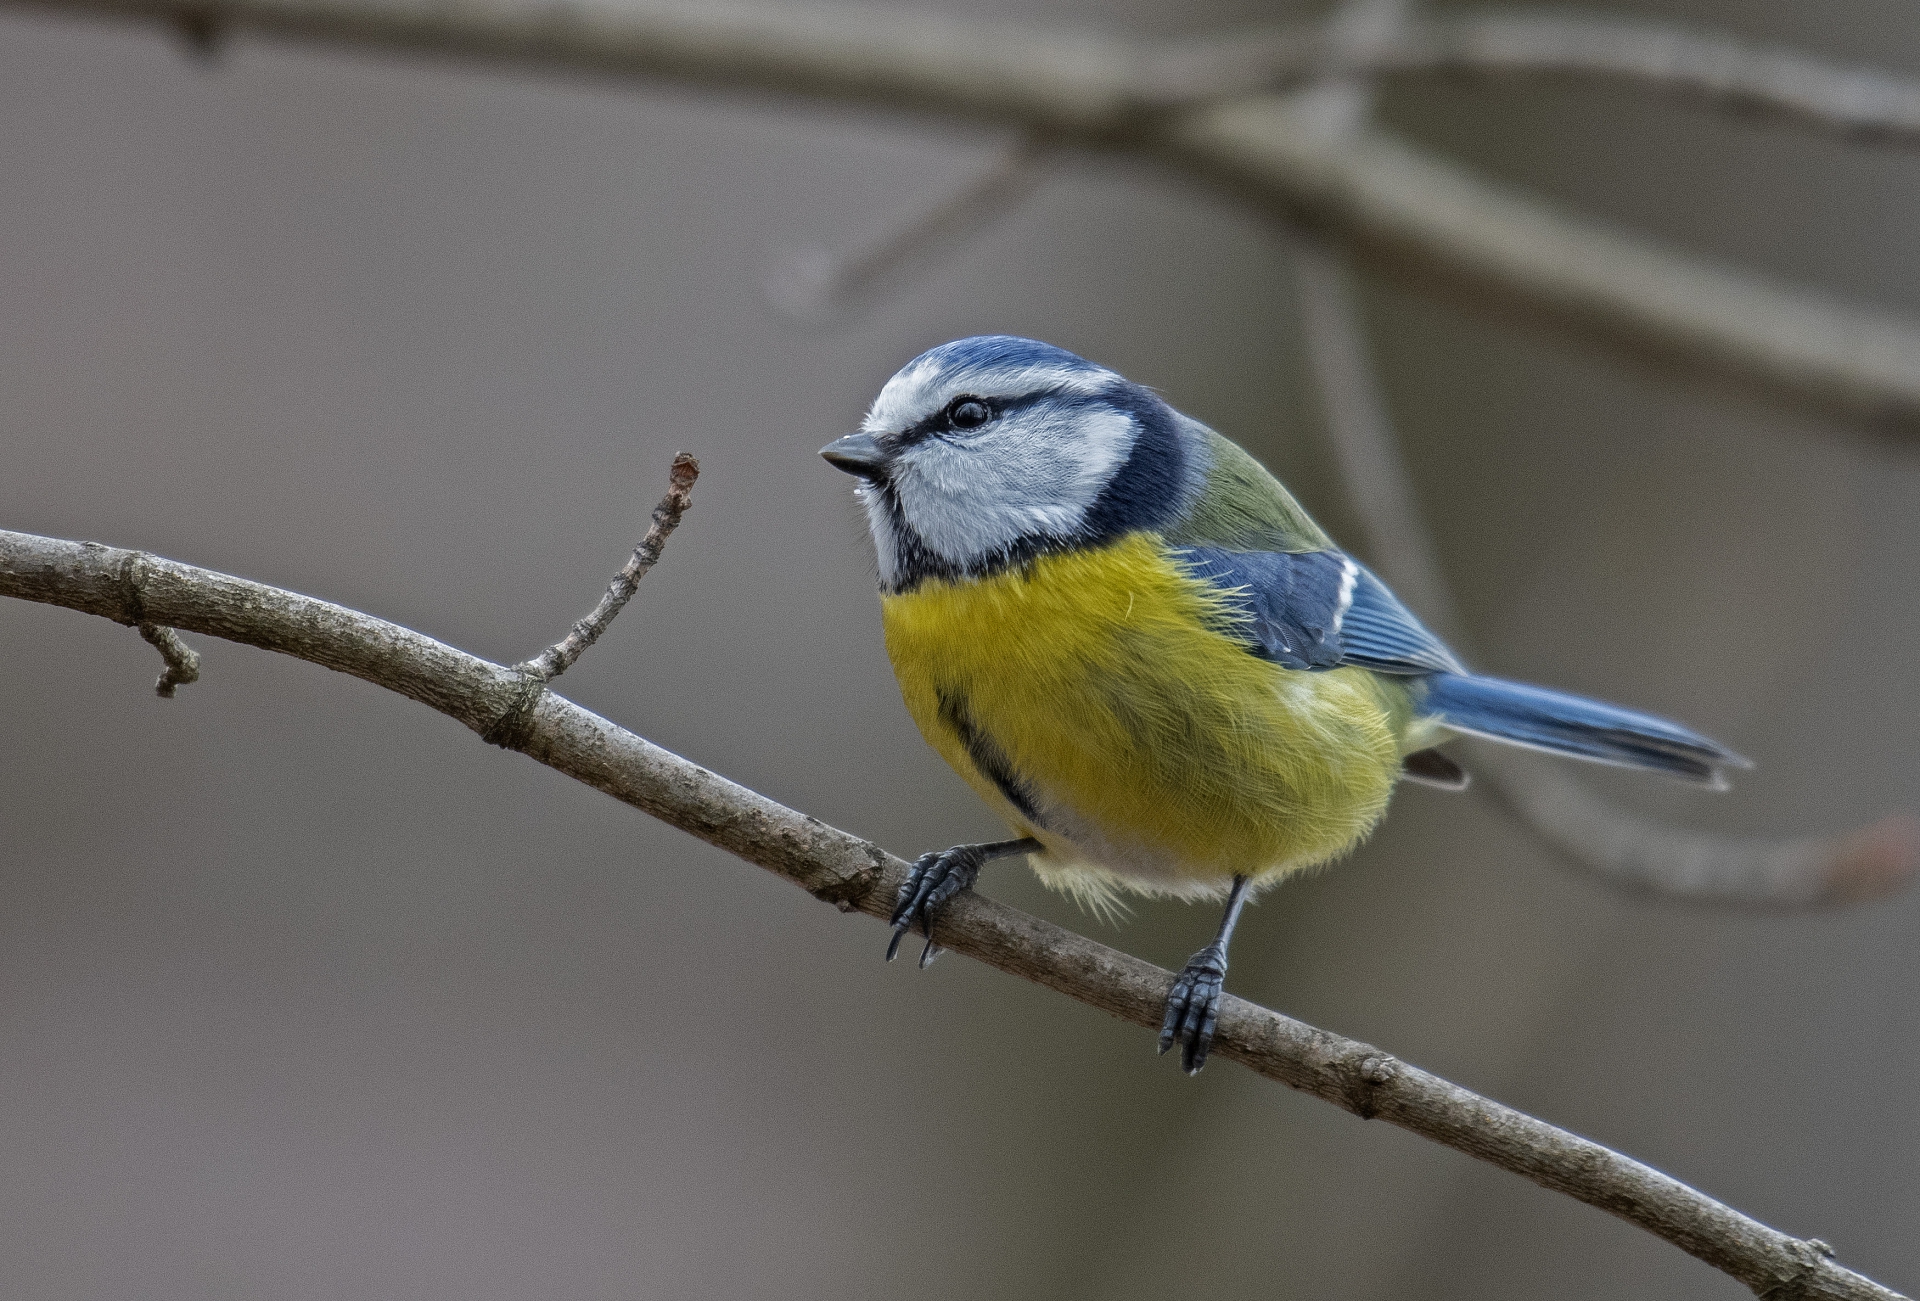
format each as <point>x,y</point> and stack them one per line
<point>1176,1008</point>
<point>935,878</point>
<point>1206,1035</point>
<point>913,892</point>
<point>1193,1007</point>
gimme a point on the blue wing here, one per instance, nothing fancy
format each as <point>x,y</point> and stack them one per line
<point>1318,610</point>
<point>1323,609</point>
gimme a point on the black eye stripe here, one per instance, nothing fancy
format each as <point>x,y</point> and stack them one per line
<point>944,421</point>
<point>998,408</point>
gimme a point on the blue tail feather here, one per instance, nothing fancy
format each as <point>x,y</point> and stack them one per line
<point>1573,725</point>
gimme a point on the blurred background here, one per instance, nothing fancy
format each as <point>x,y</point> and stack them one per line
<point>305,993</point>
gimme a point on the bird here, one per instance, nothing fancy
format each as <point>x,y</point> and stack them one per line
<point>1135,645</point>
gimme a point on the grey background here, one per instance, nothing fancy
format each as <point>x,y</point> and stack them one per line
<point>306,993</point>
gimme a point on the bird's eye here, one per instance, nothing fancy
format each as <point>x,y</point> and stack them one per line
<point>968,413</point>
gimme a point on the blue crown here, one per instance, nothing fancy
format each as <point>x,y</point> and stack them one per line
<point>991,352</point>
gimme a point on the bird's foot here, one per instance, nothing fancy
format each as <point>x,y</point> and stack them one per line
<point>935,878</point>
<point>1193,1007</point>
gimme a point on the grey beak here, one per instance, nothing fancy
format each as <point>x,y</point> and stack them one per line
<point>856,454</point>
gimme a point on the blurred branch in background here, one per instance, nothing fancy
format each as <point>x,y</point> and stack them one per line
<point>854,874</point>
<point>1560,811</point>
<point>1397,207</point>
<point>816,286</point>
<point>1720,70</point>
<point>1555,806</point>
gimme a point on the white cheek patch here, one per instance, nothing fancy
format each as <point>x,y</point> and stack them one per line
<point>1030,474</point>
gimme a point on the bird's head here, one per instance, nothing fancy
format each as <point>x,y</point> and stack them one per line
<point>985,452</point>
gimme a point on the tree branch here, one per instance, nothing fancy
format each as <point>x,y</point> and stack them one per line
<point>1399,208</point>
<point>854,874</point>
<point>1719,70</point>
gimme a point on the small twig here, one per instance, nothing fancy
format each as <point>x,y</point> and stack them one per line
<point>559,657</point>
<point>183,662</point>
<point>854,874</point>
<point>511,727</point>
<point>817,286</point>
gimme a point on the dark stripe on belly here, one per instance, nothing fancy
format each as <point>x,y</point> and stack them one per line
<point>988,757</point>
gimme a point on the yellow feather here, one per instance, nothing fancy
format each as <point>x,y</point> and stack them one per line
<point>1163,757</point>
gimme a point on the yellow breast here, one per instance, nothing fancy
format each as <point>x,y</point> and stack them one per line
<point>1092,697</point>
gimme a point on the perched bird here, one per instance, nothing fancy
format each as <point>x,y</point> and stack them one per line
<point>1134,644</point>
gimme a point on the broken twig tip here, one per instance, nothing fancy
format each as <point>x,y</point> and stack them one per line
<point>183,662</point>
<point>685,470</point>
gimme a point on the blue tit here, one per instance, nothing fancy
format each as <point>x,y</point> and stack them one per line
<point>1134,644</point>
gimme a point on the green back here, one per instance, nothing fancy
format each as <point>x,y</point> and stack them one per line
<point>1243,508</point>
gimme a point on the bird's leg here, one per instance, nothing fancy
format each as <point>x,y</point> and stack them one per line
<point>939,876</point>
<point>1193,1004</point>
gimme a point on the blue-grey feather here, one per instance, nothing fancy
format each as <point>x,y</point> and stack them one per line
<point>1381,634</point>
<point>1574,725</point>
<point>1286,604</point>
<point>1288,607</point>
